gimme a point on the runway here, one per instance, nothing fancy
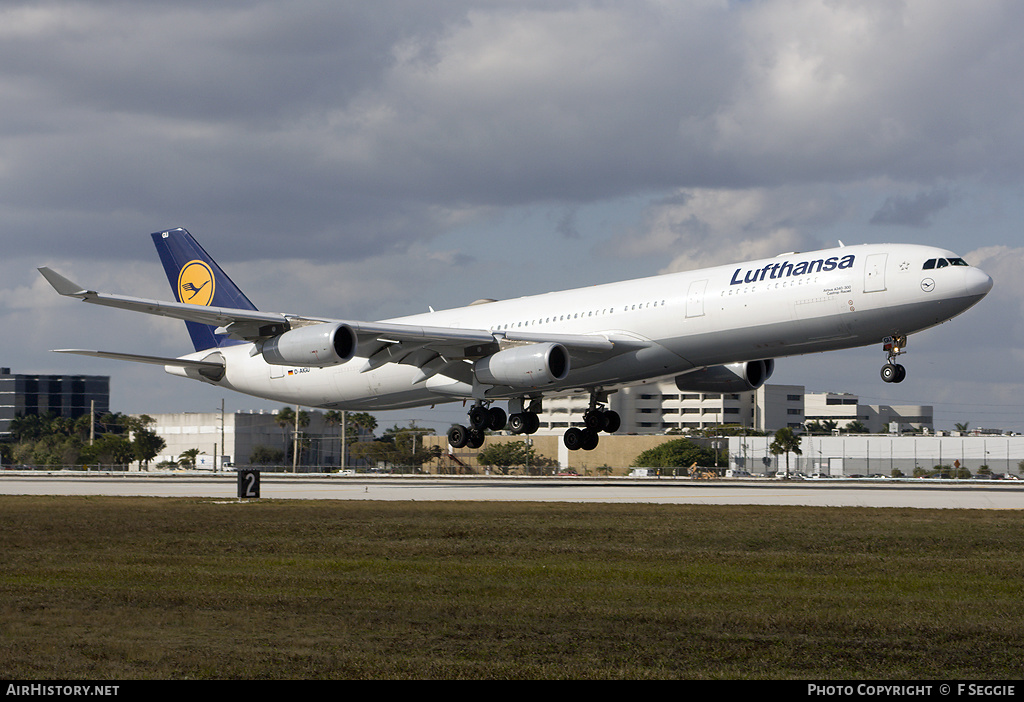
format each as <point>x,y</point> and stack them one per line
<point>823,493</point>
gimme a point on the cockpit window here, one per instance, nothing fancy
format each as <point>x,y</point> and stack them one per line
<point>943,262</point>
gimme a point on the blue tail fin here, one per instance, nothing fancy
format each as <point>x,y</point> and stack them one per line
<point>197,279</point>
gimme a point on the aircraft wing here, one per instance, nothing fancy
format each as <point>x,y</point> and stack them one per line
<point>381,342</point>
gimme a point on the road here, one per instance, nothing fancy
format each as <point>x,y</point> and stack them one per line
<point>846,493</point>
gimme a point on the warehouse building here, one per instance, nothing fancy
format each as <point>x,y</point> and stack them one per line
<point>226,439</point>
<point>881,455</point>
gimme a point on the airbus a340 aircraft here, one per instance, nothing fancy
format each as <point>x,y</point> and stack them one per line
<point>712,330</point>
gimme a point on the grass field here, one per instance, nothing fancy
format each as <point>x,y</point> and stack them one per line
<point>140,588</point>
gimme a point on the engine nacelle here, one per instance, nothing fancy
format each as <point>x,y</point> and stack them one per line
<point>524,366</point>
<point>735,377</point>
<point>315,345</point>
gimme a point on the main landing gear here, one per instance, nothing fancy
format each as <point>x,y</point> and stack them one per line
<point>595,420</point>
<point>481,418</point>
<point>893,372</point>
<point>525,421</point>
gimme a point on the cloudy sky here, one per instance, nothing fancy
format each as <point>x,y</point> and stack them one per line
<point>365,160</point>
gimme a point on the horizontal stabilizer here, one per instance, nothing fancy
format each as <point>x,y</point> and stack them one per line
<point>214,316</point>
<point>62,284</point>
<point>136,358</point>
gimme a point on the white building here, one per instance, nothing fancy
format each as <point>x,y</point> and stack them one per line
<point>658,408</point>
<point>868,454</point>
<point>231,437</point>
<point>653,409</point>
<point>843,408</point>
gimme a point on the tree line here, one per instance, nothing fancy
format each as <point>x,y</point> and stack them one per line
<point>109,439</point>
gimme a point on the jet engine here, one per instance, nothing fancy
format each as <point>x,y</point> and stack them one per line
<point>316,345</point>
<point>735,377</point>
<point>524,366</point>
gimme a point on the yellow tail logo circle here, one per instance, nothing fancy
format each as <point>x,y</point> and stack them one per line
<point>195,283</point>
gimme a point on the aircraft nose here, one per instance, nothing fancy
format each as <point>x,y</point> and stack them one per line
<point>977,282</point>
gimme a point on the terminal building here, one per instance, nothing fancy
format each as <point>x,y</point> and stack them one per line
<point>68,396</point>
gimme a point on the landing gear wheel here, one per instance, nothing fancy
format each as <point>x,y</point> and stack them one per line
<point>893,373</point>
<point>479,417</point>
<point>600,419</point>
<point>476,439</point>
<point>496,419</point>
<point>594,419</point>
<point>517,423</point>
<point>524,423</point>
<point>576,439</point>
<point>458,436</point>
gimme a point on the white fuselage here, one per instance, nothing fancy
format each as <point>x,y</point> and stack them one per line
<point>793,304</point>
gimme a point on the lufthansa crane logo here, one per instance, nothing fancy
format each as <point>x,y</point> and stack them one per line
<point>195,283</point>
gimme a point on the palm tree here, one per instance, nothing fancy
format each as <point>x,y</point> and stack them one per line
<point>787,442</point>
<point>295,418</point>
<point>333,418</point>
<point>187,458</point>
<point>285,418</point>
<point>360,423</point>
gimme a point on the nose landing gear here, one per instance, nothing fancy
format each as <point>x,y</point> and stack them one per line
<point>894,346</point>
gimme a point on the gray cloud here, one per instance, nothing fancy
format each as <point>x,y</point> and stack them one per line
<point>916,211</point>
<point>349,126</point>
